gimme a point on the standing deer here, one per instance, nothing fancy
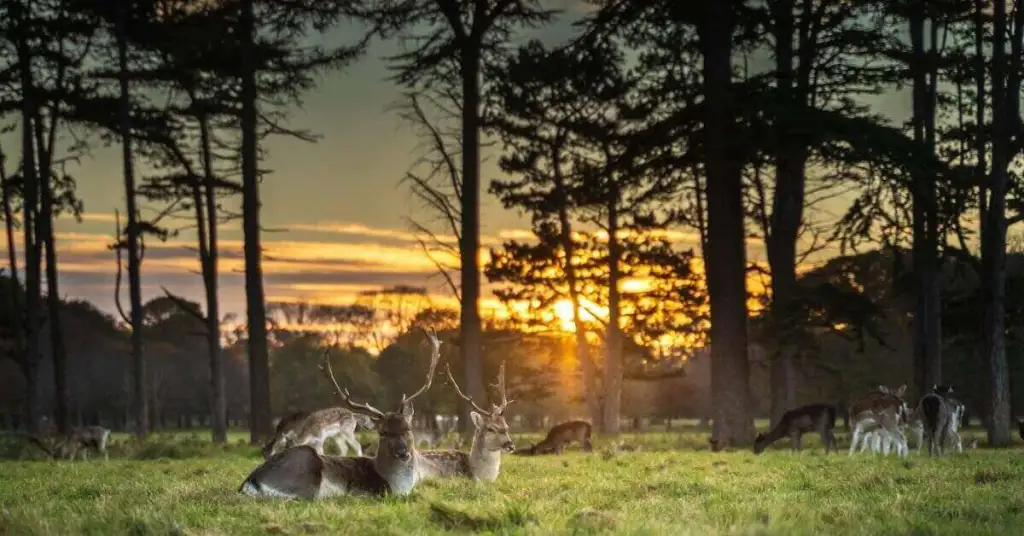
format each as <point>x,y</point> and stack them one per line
<point>883,409</point>
<point>483,461</point>
<point>561,435</point>
<point>79,440</point>
<point>336,424</point>
<point>301,472</point>
<point>795,423</point>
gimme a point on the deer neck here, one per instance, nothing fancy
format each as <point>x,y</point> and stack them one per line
<point>400,475</point>
<point>484,464</point>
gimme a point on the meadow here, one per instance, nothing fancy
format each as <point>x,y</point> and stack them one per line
<point>650,483</point>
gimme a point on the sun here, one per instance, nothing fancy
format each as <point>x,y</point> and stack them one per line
<point>563,311</point>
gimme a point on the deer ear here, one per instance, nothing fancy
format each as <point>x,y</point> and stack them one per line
<point>478,420</point>
<point>901,390</point>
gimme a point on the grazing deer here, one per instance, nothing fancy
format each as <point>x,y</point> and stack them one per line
<point>820,418</point>
<point>336,424</point>
<point>483,461</point>
<point>304,473</point>
<point>79,440</point>
<point>940,416</point>
<point>884,408</point>
<point>561,435</point>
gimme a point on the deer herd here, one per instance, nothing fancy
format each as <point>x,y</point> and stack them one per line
<point>295,465</point>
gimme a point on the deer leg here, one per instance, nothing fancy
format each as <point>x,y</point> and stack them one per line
<point>355,445</point>
<point>857,431</point>
<point>794,441</point>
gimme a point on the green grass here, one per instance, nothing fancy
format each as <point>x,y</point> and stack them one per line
<point>671,485</point>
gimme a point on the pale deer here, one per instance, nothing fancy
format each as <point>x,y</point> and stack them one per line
<point>820,418</point>
<point>336,424</point>
<point>301,472</point>
<point>432,437</point>
<point>80,440</point>
<point>490,439</point>
<point>561,435</point>
<point>883,409</point>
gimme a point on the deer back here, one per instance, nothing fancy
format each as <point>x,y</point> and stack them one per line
<point>300,473</point>
<point>876,402</point>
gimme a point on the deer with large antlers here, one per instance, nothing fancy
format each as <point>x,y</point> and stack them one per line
<point>301,472</point>
<point>483,461</point>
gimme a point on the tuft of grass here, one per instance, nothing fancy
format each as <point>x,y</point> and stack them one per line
<point>182,485</point>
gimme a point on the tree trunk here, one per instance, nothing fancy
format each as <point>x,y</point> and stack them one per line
<point>45,233</point>
<point>726,260</point>
<point>592,393</point>
<point>208,255</point>
<point>612,402</point>
<point>927,323</point>
<point>980,67</point>
<point>469,315</point>
<point>141,398</point>
<point>786,216</point>
<point>993,255</point>
<point>260,416</point>
<point>14,296</point>
<point>30,360</point>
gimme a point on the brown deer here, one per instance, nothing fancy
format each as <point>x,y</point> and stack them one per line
<point>79,440</point>
<point>336,424</point>
<point>301,472</point>
<point>483,461</point>
<point>795,423</point>
<point>885,409</point>
<point>561,435</point>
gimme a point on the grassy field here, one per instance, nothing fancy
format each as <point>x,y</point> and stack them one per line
<point>671,484</point>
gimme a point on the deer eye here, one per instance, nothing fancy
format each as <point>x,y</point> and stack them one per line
<point>492,429</point>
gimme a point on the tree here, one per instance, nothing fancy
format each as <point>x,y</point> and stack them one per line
<point>450,53</point>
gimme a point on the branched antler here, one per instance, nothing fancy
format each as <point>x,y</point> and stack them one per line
<point>435,356</point>
<point>496,409</point>
<point>500,387</point>
<point>342,394</point>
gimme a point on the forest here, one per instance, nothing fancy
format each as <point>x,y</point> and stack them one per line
<point>664,153</point>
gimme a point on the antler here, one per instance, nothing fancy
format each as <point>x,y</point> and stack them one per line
<point>460,393</point>
<point>500,387</point>
<point>435,356</point>
<point>497,409</point>
<point>342,394</point>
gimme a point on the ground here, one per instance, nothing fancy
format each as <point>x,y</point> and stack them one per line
<point>671,484</point>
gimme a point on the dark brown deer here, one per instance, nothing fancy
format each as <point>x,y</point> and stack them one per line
<point>303,473</point>
<point>483,461</point>
<point>820,418</point>
<point>1020,427</point>
<point>561,435</point>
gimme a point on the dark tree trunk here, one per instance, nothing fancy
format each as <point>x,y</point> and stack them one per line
<point>469,316</point>
<point>612,402</point>
<point>592,392</point>
<point>927,323</point>
<point>260,417</point>
<point>726,260</point>
<point>44,222</point>
<point>30,359</point>
<point>993,255</point>
<point>786,215</point>
<point>208,257</point>
<point>140,391</point>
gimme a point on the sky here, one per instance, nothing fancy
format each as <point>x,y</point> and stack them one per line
<point>336,208</point>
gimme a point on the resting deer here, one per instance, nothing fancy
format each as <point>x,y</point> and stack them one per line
<point>79,440</point>
<point>336,424</point>
<point>483,461</point>
<point>884,409</point>
<point>301,472</point>
<point>795,423</point>
<point>561,435</point>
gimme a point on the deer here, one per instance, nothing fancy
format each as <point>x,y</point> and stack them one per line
<point>490,439</point>
<point>884,409</point>
<point>796,422</point>
<point>1020,427</point>
<point>337,424</point>
<point>940,416</point>
<point>303,473</point>
<point>431,436</point>
<point>561,435</point>
<point>79,440</point>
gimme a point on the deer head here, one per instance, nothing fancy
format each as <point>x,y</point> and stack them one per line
<point>491,428</point>
<point>394,428</point>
